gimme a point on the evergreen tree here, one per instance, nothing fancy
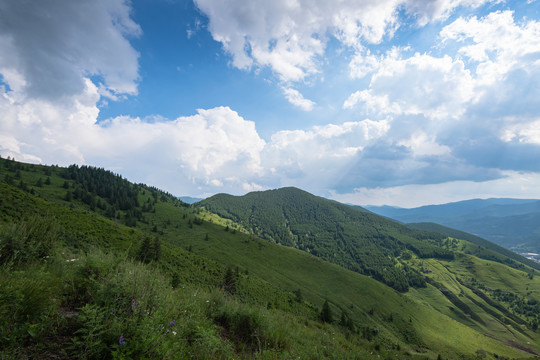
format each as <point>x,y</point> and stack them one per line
<point>156,249</point>
<point>326,313</point>
<point>298,294</point>
<point>229,282</point>
<point>144,250</point>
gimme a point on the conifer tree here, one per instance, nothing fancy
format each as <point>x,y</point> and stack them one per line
<point>144,250</point>
<point>229,282</point>
<point>326,313</point>
<point>156,249</point>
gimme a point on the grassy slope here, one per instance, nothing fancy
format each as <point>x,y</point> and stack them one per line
<point>491,250</point>
<point>359,295</point>
<point>370,303</point>
<point>460,303</point>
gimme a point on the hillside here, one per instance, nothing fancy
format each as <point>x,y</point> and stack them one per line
<point>351,237</point>
<point>222,292</point>
<point>512,223</point>
<point>485,249</point>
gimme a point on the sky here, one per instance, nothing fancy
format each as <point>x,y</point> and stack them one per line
<point>368,102</point>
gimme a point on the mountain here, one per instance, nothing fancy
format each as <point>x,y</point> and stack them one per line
<point>92,266</point>
<point>512,223</point>
<point>353,238</point>
<point>350,237</point>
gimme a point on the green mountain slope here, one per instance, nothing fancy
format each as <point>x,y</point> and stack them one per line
<point>512,223</point>
<point>485,249</point>
<point>271,308</point>
<point>355,239</point>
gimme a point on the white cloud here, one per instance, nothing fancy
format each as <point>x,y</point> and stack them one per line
<point>297,99</point>
<point>439,10</point>
<point>290,36</point>
<point>213,148</point>
<point>48,48</point>
<point>496,42</point>
<point>422,145</point>
<point>362,64</point>
<point>314,158</point>
<point>379,104</point>
<point>438,88</point>
<point>431,109</point>
<point>528,133</point>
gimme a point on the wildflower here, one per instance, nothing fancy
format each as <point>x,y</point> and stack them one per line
<point>174,333</point>
<point>134,305</point>
<point>121,340</point>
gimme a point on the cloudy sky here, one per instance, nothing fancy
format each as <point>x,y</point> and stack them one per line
<point>400,102</point>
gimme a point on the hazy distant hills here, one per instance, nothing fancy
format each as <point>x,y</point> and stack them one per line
<point>512,223</point>
<point>189,199</point>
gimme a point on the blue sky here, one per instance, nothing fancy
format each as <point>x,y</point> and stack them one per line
<point>400,102</point>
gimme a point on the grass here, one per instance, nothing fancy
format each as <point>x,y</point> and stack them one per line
<point>185,285</point>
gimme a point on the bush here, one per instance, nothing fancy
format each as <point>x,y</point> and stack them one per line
<point>27,241</point>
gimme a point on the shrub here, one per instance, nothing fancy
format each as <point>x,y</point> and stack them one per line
<point>26,241</point>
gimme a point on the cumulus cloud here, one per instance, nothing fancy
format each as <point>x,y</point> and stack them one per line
<point>48,47</point>
<point>437,88</point>
<point>212,149</point>
<point>496,42</point>
<point>475,111</point>
<point>314,158</point>
<point>290,36</point>
<point>215,148</point>
<point>297,99</point>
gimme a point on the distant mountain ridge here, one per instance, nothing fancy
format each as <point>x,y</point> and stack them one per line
<point>189,199</point>
<point>511,223</point>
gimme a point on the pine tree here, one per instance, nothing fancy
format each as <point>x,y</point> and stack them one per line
<point>326,313</point>
<point>229,282</point>
<point>144,250</point>
<point>156,249</point>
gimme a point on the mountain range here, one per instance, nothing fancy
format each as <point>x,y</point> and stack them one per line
<point>512,223</point>
<point>93,266</point>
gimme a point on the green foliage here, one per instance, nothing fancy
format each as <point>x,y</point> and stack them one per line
<point>149,250</point>
<point>230,280</point>
<point>353,238</point>
<point>326,313</point>
<point>484,249</point>
<point>27,241</point>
